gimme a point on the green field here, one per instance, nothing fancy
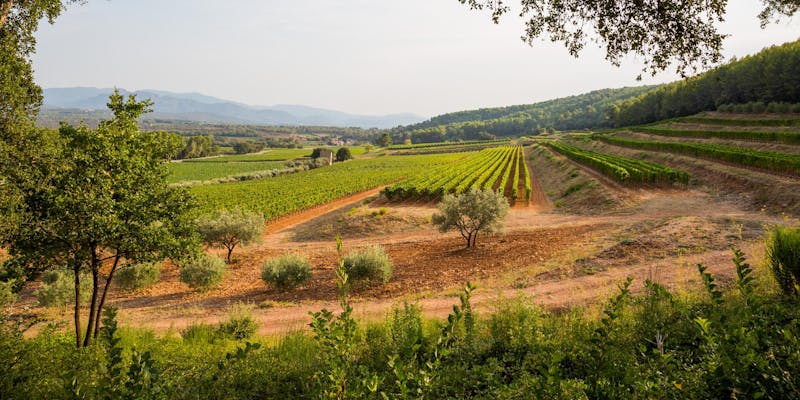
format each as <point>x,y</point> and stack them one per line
<point>286,194</point>
<point>202,171</point>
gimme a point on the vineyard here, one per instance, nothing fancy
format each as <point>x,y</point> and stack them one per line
<point>286,194</point>
<point>202,171</point>
<point>619,168</point>
<point>769,160</point>
<point>499,168</point>
<point>447,144</point>
<point>787,137</point>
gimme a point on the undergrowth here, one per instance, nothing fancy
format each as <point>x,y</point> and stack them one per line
<point>736,341</point>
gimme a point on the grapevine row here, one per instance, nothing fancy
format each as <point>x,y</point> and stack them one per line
<point>787,137</point>
<point>769,160</point>
<point>446,144</point>
<point>286,194</point>
<point>485,169</point>
<point>622,169</point>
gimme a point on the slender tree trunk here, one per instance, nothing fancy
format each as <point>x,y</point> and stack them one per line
<point>5,9</point>
<point>474,238</point>
<point>228,259</point>
<point>95,283</point>
<point>77,315</point>
<point>103,296</point>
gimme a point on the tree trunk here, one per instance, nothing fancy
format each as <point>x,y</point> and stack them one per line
<point>228,259</point>
<point>103,296</point>
<point>5,9</point>
<point>95,284</point>
<point>77,316</point>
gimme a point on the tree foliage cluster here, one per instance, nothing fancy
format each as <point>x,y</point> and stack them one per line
<point>660,33</point>
<point>770,76</point>
<point>585,111</point>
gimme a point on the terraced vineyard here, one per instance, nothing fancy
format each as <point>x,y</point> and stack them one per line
<point>787,137</point>
<point>621,169</point>
<point>499,168</point>
<point>447,144</point>
<point>286,194</point>
<point>769,160</point>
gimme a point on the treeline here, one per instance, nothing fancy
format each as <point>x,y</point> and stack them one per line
<point>770,77</point>
<point>585,111</point>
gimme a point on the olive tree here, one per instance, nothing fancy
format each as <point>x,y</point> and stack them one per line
<point>99,201</point>
<point>343,154</point>
<point>230,228</point>
<point>472,212</point>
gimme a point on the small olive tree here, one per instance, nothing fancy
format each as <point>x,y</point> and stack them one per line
<point>343,154</point>
<point>230,228</point>
<point>472,212</point>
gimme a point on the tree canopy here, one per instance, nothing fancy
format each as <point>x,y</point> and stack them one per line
<point>661,33</point>
<point>98,201</point>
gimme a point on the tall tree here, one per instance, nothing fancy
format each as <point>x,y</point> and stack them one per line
<point>100,202</point>
<point>683,32</point>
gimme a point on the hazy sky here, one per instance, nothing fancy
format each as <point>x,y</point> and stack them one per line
<point>358,56</point>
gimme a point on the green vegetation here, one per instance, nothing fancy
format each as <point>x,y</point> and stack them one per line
<point>231,228</point>
<point>94,200</point>
<point>769,160</point>
<point>488,169</point>
<point>370,263</point>
<point>268,155</point>
<point>446,144</point>
<point>290,193</point>
<point>58,289</point>
<point>750,121</point>
<point>203,171</point>
<point>656,344</point>
<point>203,273</point>
<point>472,212</point>
<point>286,272</point>
<point>139,276</point>
<point>772,75</point>
<point>343,154</point>
<point>772,136</point>
<point>783,257</point>
<point>585,111</point>
<point>622,169</point>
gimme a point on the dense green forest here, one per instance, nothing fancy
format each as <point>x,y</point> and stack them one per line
<point>770,76</point>
<point>585,111</point>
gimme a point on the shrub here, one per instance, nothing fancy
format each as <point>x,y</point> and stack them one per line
<point>369,263</point>
<point>199,332</point>
<point>58,289</point>
<point>343,154</point>
<point>286,271</point>
<point>783,256</point>
<point>138,276</point>
<point>203,273</point>
<point>240,324</point>
<point>7,295</point>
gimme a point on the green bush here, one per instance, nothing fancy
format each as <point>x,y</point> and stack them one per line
<point>240,324</point>
<point>203,273</point>
<point>138,276</point>
<point>58,289</point>
<point>369,263</point>
<point>286,271</point>
<point>783,256</point>
<point>199,333</point>
<point>7,295</point>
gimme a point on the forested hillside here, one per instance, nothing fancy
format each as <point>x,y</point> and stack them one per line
<point>583,111</point>
<point>770,76</point>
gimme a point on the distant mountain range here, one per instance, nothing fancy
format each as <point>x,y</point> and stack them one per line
<point>74,103</point>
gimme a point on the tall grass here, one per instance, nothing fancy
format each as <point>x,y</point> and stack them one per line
<point>783,257</point>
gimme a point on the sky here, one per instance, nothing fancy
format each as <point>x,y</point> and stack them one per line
<point>369,57</point>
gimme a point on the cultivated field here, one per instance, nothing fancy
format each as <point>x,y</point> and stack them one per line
<point>589,211</point>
